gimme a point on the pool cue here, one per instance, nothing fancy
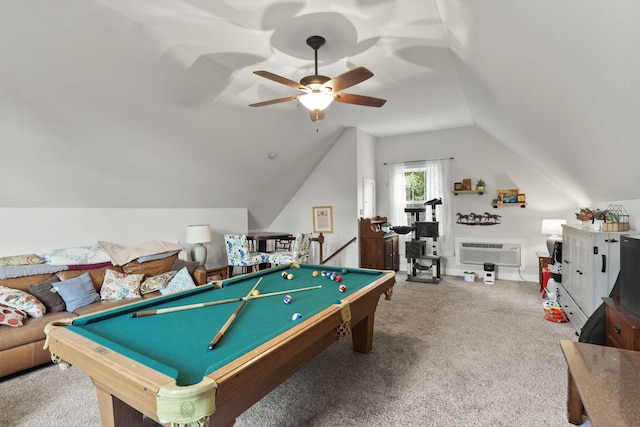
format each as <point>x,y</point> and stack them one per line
<point>229,321</point>
<point>184,307</point>
<point>207,304</point>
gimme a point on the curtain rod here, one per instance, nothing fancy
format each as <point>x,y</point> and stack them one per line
<point>417,161</point>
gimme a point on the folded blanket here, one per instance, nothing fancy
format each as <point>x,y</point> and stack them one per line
<point>121,255</point>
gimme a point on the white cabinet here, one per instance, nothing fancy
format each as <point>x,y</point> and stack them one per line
<point>590,266</point>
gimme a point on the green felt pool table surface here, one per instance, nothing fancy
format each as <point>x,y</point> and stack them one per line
<point>177,343</point>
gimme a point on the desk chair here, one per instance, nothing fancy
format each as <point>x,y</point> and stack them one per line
<point>299,251</point>
<point>239,255</point>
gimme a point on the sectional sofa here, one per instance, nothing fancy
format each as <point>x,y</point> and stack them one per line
<point>29,302</point>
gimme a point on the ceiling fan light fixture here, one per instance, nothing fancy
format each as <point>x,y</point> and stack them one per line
<point>316,100</point>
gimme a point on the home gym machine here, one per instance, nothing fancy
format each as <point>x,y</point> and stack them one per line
<point>423,265</point>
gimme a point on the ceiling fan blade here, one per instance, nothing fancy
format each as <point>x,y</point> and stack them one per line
<point>316,115</point>
<point>348,79</point>
<point>274,101</point>
<point>367,101</point>
<point>279,79</point>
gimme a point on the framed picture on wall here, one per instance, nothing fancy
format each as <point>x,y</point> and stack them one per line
<point>322,219</point>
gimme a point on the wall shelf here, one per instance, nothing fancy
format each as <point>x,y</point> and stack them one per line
<point>495,203</point>
<point>456,192</point>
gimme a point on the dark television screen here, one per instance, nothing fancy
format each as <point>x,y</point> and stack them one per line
<point>630,273</point>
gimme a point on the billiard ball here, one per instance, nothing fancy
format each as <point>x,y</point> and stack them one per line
<point>290,276</point>
<point>287,299</point>
<point>323,273</point>
<point>338,278</point>
<point>333,277</point>
<point>255,292</point>
<point>296,316</point>
<point>342,288</point>
<point>284,274</point>
<point>345,271</point>
<point>315,274</point>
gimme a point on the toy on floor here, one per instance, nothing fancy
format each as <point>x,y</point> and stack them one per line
<point>553,312</point>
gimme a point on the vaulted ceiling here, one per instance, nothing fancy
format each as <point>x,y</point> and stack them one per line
<point>121,103</point>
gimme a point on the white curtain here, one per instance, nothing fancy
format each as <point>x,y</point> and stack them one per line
<point>438,179</point>
<point>397,215</point>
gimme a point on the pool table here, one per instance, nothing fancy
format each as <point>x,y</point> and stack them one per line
<point>161,365</point>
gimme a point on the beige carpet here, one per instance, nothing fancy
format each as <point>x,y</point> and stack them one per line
<point>452,354</point>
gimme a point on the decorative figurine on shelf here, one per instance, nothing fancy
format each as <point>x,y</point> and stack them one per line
<point>480,185</point>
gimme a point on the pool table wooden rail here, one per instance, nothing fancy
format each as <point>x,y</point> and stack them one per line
<point>127,389</point>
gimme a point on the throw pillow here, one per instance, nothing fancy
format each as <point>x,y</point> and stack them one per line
<point>77,292</point>
<point>179,264</point>
<point>10,316</point>
<point>118,285</point>
<point>46,293</point>
<point>180,282</point>
<point>156,283</point>
<point>27,259</point>
<point>22,301</point>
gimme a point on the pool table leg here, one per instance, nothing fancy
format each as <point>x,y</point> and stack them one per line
<point>114,412</point>
<point>362,334</point>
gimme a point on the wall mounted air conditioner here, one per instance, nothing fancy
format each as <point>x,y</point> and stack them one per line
<point>505,254</point>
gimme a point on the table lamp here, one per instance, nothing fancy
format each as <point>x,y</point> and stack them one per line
<point>552,227</point>
<point>199,234</point>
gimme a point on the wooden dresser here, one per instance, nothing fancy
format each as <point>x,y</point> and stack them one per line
<point>623,329</point>
<point>378,249</point>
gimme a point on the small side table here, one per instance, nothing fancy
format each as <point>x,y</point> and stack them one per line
<point>202,275</point>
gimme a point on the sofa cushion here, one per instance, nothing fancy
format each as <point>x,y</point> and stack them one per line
<point>156,283</point>
<point>10,316</point>
<point>22,300</point>
<point>179,264</point>
<point>96,274</point>
<point>46,293</point>
<point>31,331</point>
<point>120,285</point>
<point>21,260</point>
<point>77,292</point>
<point>180,282</point>
<point>150,268</point>
<point>77,255</point>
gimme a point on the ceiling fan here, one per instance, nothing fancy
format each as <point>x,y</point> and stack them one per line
<point>320,91</point>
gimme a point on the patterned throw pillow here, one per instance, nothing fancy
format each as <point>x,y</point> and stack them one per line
<point>10,316</point>
<point>22,301</point>
<point>180,282</point>
<point>156,283</point>
<point>27,259</point>
<point>118,285</point>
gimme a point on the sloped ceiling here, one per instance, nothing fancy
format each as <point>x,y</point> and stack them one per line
<point>120,103</point>
<point>558,82</point>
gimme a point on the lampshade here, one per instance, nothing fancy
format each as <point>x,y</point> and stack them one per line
<point>552,227</point>
<point>198,234</point>
<point>316,100</point>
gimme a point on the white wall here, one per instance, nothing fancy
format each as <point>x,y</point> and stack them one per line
<point>333,183</point>
<point>478,155</point>
<point>28,230</point>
